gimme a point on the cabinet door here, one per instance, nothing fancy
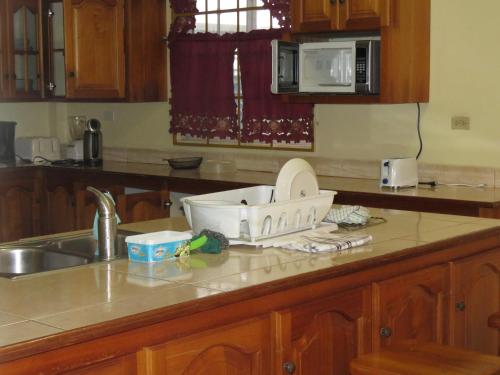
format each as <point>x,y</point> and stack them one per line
<point>411,308</point>
<point>363,14</point>
<point>314,15</point>
<point>24,48</point>
<point>143,206</point>
<point>239,349</point>
<point>475,296</point>
<point>19,213</point>
<point>126,365</point>
<point>323,336</point>
<point>59,209</point>
<point>94,45</point>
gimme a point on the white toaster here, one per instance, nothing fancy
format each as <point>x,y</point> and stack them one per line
<point>398,173</point>
<point>38,149</point>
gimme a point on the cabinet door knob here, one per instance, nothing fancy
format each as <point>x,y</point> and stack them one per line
<point>289,367</point>
<point>385,332</point>
<point>333,2</point>
<point>71,74</point>
<point>167,204</point>
<point>342,2</point>
<point>460,306</point>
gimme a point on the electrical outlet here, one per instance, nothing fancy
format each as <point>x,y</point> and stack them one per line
<point>460,123</point>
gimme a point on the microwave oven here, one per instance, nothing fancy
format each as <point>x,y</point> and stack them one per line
<point>339,66</point>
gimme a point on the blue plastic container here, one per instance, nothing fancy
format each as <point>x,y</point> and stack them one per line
<point>156,246</point>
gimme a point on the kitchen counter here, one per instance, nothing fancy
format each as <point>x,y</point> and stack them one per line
<point>458,200</point>
<point>44,309</point>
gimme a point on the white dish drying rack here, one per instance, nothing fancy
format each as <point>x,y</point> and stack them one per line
<point>251,213</point>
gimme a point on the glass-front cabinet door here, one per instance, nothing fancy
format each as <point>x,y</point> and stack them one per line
<point>24,48</point>
<point>55,70</point>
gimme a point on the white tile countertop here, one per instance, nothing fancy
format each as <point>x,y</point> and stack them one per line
<point>44,304</point>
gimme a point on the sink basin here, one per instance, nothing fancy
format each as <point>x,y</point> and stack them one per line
<point>61,252</point>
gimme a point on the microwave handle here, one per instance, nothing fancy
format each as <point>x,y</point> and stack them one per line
<point>334,84</point>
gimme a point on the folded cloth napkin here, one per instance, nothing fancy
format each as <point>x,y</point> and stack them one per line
<point>348,215</point>
<point>333,242</point>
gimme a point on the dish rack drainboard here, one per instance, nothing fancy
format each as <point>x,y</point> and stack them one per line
<point>250,214</point>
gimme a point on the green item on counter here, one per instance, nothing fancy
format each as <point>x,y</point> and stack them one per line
<point>207,242</point>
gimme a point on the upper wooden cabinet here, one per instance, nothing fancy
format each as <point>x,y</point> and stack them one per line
<point>404,29</point>
<point>94,42</point>
<point>335,15</point>
<point>22,47</point>
<point>83,50</point>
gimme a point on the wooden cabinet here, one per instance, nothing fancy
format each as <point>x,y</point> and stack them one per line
<point>411,307</point>
<point>126,365</point>
<point>322,337</point>
<point>19,206</point>
<point>58,203</point>
<point>475,296</point>
<point>143,206</point>
<point>404,29</point>
<point>94,44</point>
<point>337,15</point>
<point>239,349</point>
<point>23,49</point>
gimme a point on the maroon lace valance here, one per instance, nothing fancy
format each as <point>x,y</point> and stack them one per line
<point>203,102</point>
<point>266,118</point>
<point>183,24</point>
<point>280,9</point>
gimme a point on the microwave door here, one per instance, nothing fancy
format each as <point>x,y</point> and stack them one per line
<point>328,67</point>
<point>285,67</point>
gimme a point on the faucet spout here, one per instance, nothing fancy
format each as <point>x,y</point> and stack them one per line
<point>107,224</point>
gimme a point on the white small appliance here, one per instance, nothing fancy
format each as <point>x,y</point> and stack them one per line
<point>74,150</point>
<point>398,173</point>
<point>38,149</point>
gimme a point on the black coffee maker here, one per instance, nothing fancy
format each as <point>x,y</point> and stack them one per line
<point>7,148</point>
<point>92,144</point>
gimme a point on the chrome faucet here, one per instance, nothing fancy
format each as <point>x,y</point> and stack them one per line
<point>106,229</point>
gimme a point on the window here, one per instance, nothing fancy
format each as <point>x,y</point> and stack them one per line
<point>232,16</point>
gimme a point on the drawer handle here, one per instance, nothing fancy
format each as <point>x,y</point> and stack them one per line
<point>460,306</point>
<point>385,332</point>
<point>289,367</point>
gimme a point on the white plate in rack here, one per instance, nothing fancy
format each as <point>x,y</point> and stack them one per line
<point>296,179</point>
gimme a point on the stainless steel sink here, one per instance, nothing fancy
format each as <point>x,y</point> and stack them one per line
<point>60,252</point>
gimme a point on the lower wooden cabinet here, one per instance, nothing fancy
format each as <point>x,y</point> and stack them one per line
<point>322,337</point>
<point>475,296</point>
<point>411,307</point>
<point>143,206</point>
<point>126,365</point>
<point>239,349</point>
<point>19,206</point>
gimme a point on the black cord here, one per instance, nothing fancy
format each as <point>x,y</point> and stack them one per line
<point>418,132</point>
